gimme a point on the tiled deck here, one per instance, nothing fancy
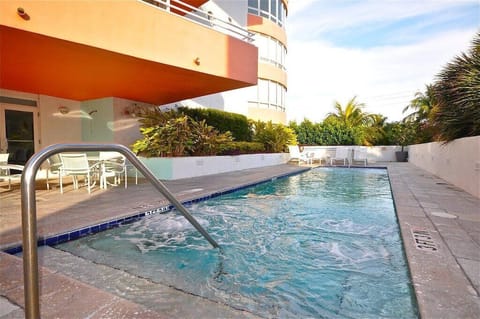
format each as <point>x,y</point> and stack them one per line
<point>444,255</point>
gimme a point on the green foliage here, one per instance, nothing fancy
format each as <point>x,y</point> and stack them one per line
<point>274,137</point>
<point>224,122</point>
<point>421,106</point>
<point>352,115</point>
<point>170,134</point>
<point>330,132</point>
<point>236,148</point>
<point>208,141</point>
<point>403,133</point>
<point>457,93</point>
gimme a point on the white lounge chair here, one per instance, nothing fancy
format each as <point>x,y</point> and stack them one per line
<point>341,154</point>
<point>296,155</point>
<point>76,164</point>
<point>360,155</point>
<point>320,155</point>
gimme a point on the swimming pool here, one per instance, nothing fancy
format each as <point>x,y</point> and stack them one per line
<point>323,244</point>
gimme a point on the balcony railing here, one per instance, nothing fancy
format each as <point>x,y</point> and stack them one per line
<point>202,17</point>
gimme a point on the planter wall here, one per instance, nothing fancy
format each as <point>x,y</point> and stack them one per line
<point>169,168</point>
<point>374,153</point>
<point>457,162</point>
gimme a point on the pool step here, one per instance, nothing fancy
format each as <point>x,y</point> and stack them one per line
<point>154,296</point>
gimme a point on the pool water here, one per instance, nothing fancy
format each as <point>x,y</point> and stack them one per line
<point>323,244</point>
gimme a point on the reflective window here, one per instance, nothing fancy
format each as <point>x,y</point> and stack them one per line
<point>269,95</point>
<point>270,9</point>
<point>270,50</point>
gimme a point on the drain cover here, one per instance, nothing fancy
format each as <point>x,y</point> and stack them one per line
<point>423,240</point>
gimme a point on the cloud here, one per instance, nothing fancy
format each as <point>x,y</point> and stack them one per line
<point>312,18</point>
<point>382,51</point>
<point>384,78</point>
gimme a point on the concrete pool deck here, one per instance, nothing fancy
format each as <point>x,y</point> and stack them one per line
<point>440,226</point>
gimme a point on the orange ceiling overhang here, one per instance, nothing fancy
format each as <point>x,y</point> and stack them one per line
<point>35,63</point>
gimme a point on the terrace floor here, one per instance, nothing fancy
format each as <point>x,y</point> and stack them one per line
<point>440,226</point>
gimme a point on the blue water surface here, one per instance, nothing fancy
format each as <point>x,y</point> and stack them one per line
<point>322,244</point>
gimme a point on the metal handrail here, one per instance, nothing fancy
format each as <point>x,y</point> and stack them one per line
<point>189,12</point>
<point>29,211</point>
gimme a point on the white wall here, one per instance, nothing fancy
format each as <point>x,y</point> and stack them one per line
<point>192,166</point>
<point>457,162</point>
<point>374,153</point>
<point>125,126</point>
<point>56,127</point>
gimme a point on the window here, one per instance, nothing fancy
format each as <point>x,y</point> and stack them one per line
<point>270,95</point>
<point>270,9</point>
<point>270,50</point>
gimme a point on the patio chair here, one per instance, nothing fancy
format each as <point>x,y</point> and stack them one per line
<point>54,163</point>
<point>76,164</point>
<point>360,155</point>
<point>5,169</point>
<point>296,155</point>
<point>320,155</point>
<point>113,164</point>
<point>341,154</point>
<point>4,161</point>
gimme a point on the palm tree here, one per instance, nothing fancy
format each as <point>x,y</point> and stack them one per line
<point>457,92</point>
<point>352,115</point>
<point>421,106</point>
<point>375,132</point>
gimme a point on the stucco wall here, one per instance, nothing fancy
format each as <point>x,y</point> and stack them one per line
<point>125,126</point>
<point>56,127</point>
<point>192,166</point>
<point>457,162</point>
<point>374,153</point>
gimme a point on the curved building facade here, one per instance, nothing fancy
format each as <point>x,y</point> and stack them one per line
<point>265,20</point>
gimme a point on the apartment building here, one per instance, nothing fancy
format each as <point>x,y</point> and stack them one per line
<point>265,20</point>
<point>74,71</point>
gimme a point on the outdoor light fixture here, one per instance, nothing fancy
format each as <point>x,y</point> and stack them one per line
<point>63,110</point>
<point>197,61</point>
<point>21,12</point>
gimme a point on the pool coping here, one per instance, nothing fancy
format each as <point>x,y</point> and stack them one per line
<point>444,287</point>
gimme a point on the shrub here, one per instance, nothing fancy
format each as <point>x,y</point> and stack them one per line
<point>329,132</point>
<point>223,121</point>
<point>170,134</point>
<point>237,148</point>
<point>274,137</point>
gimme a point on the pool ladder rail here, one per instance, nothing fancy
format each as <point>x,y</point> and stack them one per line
<point>29,211</point>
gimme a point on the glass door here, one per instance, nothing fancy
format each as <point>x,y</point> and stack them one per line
<point>17,132</point>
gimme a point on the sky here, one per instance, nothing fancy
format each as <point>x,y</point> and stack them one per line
<point>381,51</point>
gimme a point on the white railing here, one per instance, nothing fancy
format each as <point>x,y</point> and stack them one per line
<point>198,15</point>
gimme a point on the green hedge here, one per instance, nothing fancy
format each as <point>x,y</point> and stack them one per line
<point>237,148</point>
<point>236,124</point>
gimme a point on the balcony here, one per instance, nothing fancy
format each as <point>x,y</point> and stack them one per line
<point>131,49</point>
